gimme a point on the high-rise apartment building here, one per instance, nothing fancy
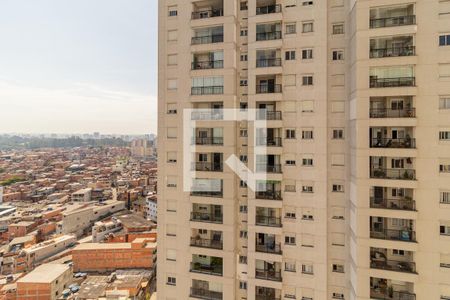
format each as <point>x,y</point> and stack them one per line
<point>356,96</point>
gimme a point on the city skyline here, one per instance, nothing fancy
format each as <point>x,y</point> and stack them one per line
<point>59,75</point>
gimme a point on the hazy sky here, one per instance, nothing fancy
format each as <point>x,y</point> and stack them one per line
<point>75,66</point>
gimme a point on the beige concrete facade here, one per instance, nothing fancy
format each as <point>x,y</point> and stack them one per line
<point>356,99</point>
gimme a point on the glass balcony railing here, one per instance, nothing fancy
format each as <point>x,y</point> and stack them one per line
<point>268,221</point>
<point>205,294</point>
<point>268,89</point>
<point>390,294</point>
<point>268,9</point>
<point>400,204</point>
<point>393,143</point>
<point>268,62</point>
<point>207,39</point>
<point>393,234</point>
<point>268,115</point>
<point>392,113</point>
<point>206,243</point>
<point>216,194</point>
<point>392,265</point>
<point>269,141</point>
<point>268,168</point>
<point>208,140</point>
<point>274,248</point>
<point>206,217</point>
<point>392,82</point>
<point>268,35</point>
<point>207,269</point>
<point>383,173</point>
<point>268,195</point>
<point>204,14</point>
<point>393,21</point>
<point>205,65</point>
<point>206,90</point>
<point>204,166</point>
<point>393,52</point>
<point>268,274</point>
<point>205,114</point>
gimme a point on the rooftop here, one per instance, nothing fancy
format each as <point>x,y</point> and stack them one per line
<point>45,273</point>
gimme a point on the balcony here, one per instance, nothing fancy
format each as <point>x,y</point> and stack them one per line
<point>268,195</point>
<point>269,141</point>
<point>268,36</point>
<point>400,174</point>
<point>263,114</point>
<point>403,143</point>
<point>209,64</point>
<point>268,9</point>
<point>208,141</point>
<point>380,258</point>
<point>266,293</point>
<point>208,269</point>
<point>205,14</point>
<point>207,90</point>
<point>272,248</point>
<point>201,293</point>
<point>392,52</point>
<point>207,39</point>
<point>266,297</point>
<point>265,168</point>
<point>393,234</point>
<point>206,243</point>
<point>386,289</point>
<point>392,21</point>
<point>262,220</point>
<point>214,194</point>
<point>392,113</point>
<point>207,114</point>
<point>376,82</point>
<point>265,274</point>
<point>198,216</point>
<point>397,204</point>
<point>205,166</point>
<point>268,62</point>
<point>268,88</point>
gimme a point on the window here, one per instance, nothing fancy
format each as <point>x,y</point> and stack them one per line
<point>243,133</point>
<point>289,188</point>
<point>171,108</point>
<point>445,197</point>
<point>291,28</point>
<point>307,214</point>
<point>338,28</point>
<point>171,255</point>
<point>289,266</point>
<point>307,162</point>
<point>307,53</point>
<point>444,229</point>
<point>242,184</point>
<point>243,106</point>
<point>173,12</point>
<point>289,240</point>
<point>290,162</point>
<point>444,135</point>
<point>290,133</point>
<point>337,159</point>
<point>307,134</point>
<point>172,133</point>
<point>338,134</point>
<point>307,27</point>
<point>338,55</point>
<point>444,102</point>
<point>307,80</point>
<point>171,157</point>
<point>338,295</point>
<point>243,158</point>
<point>338,268</point>
<point>338,106</point>
<point>338,188</point>
<point>398,252</point>
<point>171,280</point>
<point>290,3</point>
<point>243,209</point>
<point>307,3</point>
<point>307,269</point>
<point>444,40</point>
<point>243,234</point>
<point>243,260</point>
<point>244,57</point>
<point>290,215</point>
<point>244,32</point>
<point>290,55</point>
<point>243,285</point>
<point>444,168</point>
<point>307,189</point>
<point>243,82</point>
<point>244,5</point>
<point>307,106</point>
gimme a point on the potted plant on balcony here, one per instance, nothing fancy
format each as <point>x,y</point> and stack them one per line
<point>391,292</point>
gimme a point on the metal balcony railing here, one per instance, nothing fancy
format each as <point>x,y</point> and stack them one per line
<point>392,82</point>
<point>208,140</point>
<point>274,248</point>
<point>207,166</point>
<point>205,65</point>
<point>400,204</point>
<point>268,195</point>
<point>207,39</point>
<point>393,143</point>
<point>205,294</point>
<point>204,14</point>
<point>269,9</point>
<point>268,274</point>
<point>266,297</point>
<point>393,21</point>
<point>268,168</point>
<point>207,269</point>
<point>393,234</point>
<point>268,221</point>
<point>212,114</point>
<point>390,294</point>
<point>268,62</point>
<point>268,89</point>
<point>392,265</point>
<point>207,90</point>
<point>392,113</point>
<point>383,173</point>
<point>268,115</point>
<point>393,52</point>
<point>206,243</point>
<point>269,142</point>
<point>216,194</point>
<point>206,217</point>
<point>269,35</point>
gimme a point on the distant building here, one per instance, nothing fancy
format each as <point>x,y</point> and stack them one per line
<point>83,195</point>
<point>152,208</point>
<point>141,148</point>
<point>45,282</point>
